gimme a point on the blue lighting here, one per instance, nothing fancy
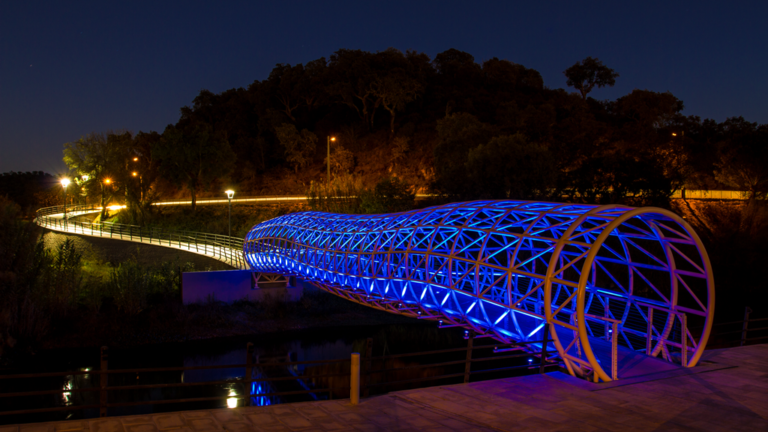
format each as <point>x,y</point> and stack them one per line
<point>257,389</point>
<point>483,265</point>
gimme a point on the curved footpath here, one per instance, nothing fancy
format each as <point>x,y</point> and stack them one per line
<point>228,250</point>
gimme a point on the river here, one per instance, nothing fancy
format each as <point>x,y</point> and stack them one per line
<point>270,354</point>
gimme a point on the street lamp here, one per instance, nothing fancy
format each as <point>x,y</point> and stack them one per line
<point>65,183</point>
<point>330,138</point>
<point>230,193</point>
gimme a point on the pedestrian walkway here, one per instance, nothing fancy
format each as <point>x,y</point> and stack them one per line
<point>727,392</point>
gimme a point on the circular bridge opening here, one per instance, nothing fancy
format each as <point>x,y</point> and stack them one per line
<point>641,280</point>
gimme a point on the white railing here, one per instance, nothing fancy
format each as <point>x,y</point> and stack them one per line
<point>226,249</point>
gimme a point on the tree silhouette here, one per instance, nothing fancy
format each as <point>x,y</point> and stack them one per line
<point>194,156</point>
<point>299,147</point>
<point>588,73</point>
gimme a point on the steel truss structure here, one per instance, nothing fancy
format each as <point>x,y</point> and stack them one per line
<point>604,278</point>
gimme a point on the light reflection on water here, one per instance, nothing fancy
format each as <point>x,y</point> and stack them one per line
<point>66,397</point>
<point>268,362</point>
<point>232,401</point>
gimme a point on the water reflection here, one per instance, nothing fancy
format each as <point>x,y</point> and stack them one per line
<point>305,382</point>
<point>232,401</point>
<point>66,397</point>
<point>259,388</point>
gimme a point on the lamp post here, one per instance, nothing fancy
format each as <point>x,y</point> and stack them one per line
<point>135,174</point>
<point>230,193</point>
<point>65,183</point>
<point>104,213</point>
<point>328,159</point>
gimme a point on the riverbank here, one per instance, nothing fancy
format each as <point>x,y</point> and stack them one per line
<point>126,294</point>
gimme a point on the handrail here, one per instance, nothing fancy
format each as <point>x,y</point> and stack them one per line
<point>228,250</point>
<point>249,366</point>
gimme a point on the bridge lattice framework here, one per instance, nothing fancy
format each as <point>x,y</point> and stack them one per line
<point>637,277</point>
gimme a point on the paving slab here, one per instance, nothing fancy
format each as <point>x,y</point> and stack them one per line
<point>729,392</point>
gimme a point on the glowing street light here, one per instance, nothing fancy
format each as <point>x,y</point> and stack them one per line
<point>230,193</point>
<point>134,173</point>
<point>330,138</point>
<point>65,183</point>
<point>135,159</point>
<point>107,181</point>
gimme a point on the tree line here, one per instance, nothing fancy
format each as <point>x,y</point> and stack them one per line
<point>450,125</point>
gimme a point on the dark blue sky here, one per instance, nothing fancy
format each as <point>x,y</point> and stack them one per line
<point>69,68</point>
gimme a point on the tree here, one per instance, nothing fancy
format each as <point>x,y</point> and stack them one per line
<point>342,160</point>
<point>31,190</point>
<point>588,73</point>
<point>194,156</point>
<point>649,109</point>
<point>743,158</point>
<point>97,160</point>
<point>457,81</point>
<point>144,172</point>
<point>395,89</point>
<point>351,74</point>
<point>503,75</point>
<point>457,134</point>
<point>511,167</point>
<point>299,147</point>
<point>313,83</point>
<point>287,84</point>
<point>616,176</point>
<point>388,196</point>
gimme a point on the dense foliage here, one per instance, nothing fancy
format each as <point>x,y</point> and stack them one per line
<point>31,190</point>
<point>448,125</point>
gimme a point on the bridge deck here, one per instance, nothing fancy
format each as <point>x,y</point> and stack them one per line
<point>630,363</point>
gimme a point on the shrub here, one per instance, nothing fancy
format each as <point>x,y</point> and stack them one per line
<point>388,196</point>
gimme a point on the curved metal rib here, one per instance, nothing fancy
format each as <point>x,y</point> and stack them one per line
<point>507,268</point>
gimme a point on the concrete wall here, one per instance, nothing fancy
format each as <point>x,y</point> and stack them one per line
<point>229,286</point>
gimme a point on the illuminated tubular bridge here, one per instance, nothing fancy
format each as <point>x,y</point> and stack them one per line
<point>612,282</point>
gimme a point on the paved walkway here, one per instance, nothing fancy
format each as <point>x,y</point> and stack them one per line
<point>729,392</point>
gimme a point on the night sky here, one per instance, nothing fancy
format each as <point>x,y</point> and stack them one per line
<point>70,68</point>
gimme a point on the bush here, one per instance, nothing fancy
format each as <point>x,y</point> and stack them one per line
<point>388,196</point>
<point>133,286</point>
<point>341,196</point>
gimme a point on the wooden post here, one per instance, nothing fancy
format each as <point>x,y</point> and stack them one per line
<point>649,336</point>
<point>615,351</point>
<point>103,382</point>
<point>607,313</point>
<point>468,364</point>
<point>544,348</point>
<point>354,380</point>
<point>684,341</point>
<point>367,370</point>
<point>248,371</point>
<point>747,311</point>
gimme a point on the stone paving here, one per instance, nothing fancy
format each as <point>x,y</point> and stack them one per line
<point>729,392</point>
